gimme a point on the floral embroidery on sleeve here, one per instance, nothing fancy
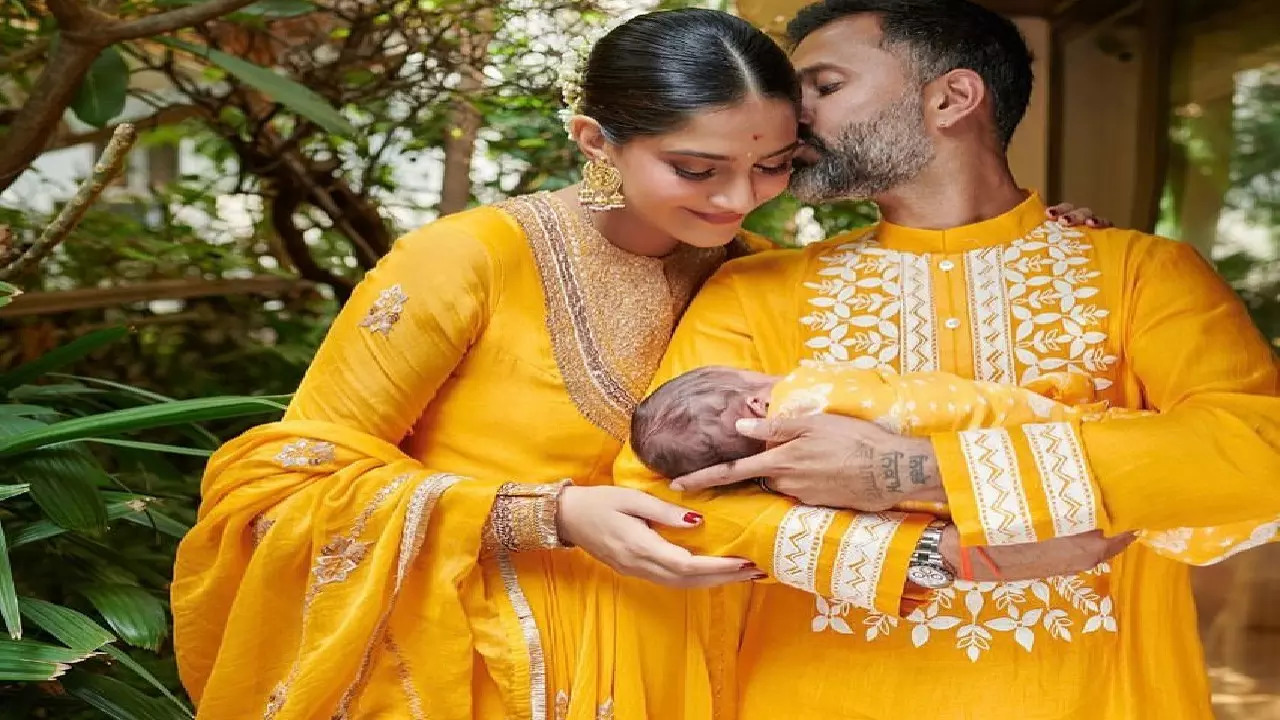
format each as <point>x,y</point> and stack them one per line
<point>386,310</point>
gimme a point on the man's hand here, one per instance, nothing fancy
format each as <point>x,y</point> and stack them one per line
<point>1048,558</point>
<point>831,460</point>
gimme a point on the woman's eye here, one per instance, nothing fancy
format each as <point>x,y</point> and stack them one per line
<point>780,169</point>
<point>692,175</point>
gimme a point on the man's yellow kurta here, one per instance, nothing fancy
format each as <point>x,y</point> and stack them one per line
<point>1005,301</point>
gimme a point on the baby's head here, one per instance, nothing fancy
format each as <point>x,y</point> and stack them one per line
<point>689,422</point>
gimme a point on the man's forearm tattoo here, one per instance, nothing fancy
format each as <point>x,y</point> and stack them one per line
<point>918,476</point>
<point>889,471</point>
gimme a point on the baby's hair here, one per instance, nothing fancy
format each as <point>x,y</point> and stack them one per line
<point>678,428</point>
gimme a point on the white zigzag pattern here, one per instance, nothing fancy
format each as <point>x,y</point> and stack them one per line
<point>1064,477</point>
<point>797,545</point>
<point>860,559</point>
<point>993,470</point>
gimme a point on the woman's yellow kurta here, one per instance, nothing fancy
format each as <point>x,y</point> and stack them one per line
<point>1007,300</point>
<point>338,568</point>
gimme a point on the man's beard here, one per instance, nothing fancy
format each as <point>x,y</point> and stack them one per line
<point>867,158</point>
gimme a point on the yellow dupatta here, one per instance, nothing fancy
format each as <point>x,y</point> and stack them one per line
<point>303,521</point>
<point>325,545</point>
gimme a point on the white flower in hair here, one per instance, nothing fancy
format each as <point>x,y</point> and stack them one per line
<point>573,66</point>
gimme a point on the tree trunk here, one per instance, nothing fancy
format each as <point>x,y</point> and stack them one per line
<point>464,118</point>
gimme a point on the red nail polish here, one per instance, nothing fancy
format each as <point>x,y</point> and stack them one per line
<point>692,518</point>
<point>759,576</point>
<point>747,566</point>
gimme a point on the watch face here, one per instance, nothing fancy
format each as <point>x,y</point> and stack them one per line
<point>928,577</point>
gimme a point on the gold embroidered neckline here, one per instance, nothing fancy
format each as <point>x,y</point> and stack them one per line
<point>610,312</point>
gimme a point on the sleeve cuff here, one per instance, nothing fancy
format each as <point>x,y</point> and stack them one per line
<point>891,590</point>
<point>1019,485</point>
<point>858,558</point>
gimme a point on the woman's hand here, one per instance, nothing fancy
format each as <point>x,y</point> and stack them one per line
<point>1070,215</point>
<point>612,525</point>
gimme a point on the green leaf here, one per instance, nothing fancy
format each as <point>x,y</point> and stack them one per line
<point>45,529</point>
<point>8,491</point>
<point>292,95</point>
<point>64,483</point>
<point>103,91</point>
<point>152,447</point>
<point>260,9</point>
<point>65,355</point>
<point>40,652</point>
<point>8,593</point>
<point>129,389</point>
<point>123,658</point>
<point>179,412</point>
<point>71,628</point>
<point>209,438</point>
<point>138,616</point>
<point>277,8</point>
<point>116,699</point>
<point>51,393</point>
<point>160,523</point>
<point>17,424</point>
<point>16,670</point>
<point>17,410</point>
<point>8,293</point>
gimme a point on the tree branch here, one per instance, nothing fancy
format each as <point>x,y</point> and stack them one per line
<point>367,256</point>
<point>47,303</point>
<point>283,206</point>
<point>9,251</point>
<point>164,22</point>
<point>107,168</point>
<point>21,57</point>
<point>73,17</point>
<point>83,33</point>
<point>165,116</point>
<point>52,93</point>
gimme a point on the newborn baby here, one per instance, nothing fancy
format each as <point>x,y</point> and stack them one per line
<point>688,423</point>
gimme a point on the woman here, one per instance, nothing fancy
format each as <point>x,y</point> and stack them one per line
<point>394,547</point>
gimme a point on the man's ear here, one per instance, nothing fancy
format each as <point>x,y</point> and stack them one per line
<point>954,98</point>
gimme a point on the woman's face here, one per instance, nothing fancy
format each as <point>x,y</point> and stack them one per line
<point>697,184</point>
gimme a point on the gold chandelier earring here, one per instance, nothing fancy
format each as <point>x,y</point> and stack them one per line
<point>601,187</point>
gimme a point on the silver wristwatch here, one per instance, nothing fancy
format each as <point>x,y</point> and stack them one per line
<point>927,568</point>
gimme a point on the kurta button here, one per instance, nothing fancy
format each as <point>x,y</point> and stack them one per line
<point>946,266</point>
<point>952,323</point>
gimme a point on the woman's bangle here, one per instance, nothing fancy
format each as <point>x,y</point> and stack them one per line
<point>524,516</point>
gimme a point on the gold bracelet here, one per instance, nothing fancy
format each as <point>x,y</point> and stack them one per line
<point>524,516</point>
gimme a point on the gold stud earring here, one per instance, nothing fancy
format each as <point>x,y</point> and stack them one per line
<point>601,187</point>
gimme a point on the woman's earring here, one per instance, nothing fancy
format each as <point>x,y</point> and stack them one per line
<point>601,187</point>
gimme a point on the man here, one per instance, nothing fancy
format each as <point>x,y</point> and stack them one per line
<point>912,103</point>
